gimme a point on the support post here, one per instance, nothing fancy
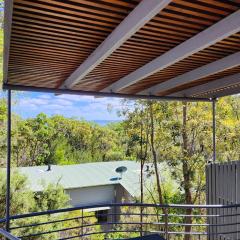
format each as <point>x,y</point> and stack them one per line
<point>141,179</point>
<point>8,194</point>
<point>214,128</point>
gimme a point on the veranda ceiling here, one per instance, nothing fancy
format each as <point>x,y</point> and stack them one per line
<point>178,48</point>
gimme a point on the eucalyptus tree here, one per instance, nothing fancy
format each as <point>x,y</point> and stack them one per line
<point>178,137</point>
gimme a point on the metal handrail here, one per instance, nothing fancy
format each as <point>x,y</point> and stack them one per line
<point>8,235</point>
<point>2,220</point>
<point>225,222</point>
<point>177,206</point>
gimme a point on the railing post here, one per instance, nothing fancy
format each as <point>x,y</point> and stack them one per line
<point>214,128</point>
<point>82,223</point>
<point>166,224</point>
<point>141,221</point>
<point>8,167</point>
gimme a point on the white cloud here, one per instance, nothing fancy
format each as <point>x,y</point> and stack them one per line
<point>75,97</point>
<point>44,96</point>
<point>86,107</point>
<point>62,102</point>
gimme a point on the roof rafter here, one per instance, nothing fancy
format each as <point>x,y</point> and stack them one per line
<point>144,12</point>
<point>209,87</point>
<point>225,63</point>
<point>220,30</point>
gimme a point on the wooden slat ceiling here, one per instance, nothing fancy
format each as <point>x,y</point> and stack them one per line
<point>51,38</point>
<point>219,50</point>
<point>204,80</point>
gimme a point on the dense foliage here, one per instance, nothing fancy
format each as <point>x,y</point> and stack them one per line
<point>59,140</point>
<point>185,146</point>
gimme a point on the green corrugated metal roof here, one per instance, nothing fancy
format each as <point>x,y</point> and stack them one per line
<point>86,175</point>
<point>82,175</point>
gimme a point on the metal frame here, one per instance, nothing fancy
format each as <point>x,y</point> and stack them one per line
<point>8,177</point>
<point>214,128</point>
<point>102,94</point>
<point>59,91</point>
<point>76,92</point>
<point>8,235</point>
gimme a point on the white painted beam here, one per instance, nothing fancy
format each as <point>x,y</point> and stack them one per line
<point>201,72</point>
<point>142,14</point>
<point>8,11</point>
<point>211,86</point>
<point>206,38</point>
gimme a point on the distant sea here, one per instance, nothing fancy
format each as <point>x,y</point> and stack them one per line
<point>105,122</point>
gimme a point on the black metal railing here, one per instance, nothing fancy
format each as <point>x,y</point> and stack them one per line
<point>119,221</point>
<point>7,235</point>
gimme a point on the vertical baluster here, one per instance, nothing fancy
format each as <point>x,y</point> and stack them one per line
<point>166,224</point>
<point>82,223</point>
<point>238,198</point>
<point>141,221</point>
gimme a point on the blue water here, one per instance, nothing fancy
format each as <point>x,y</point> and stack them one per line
<point>105,122</point>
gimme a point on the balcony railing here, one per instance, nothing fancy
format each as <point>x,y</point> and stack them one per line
<point>7,235</point>
<point>119,221</point>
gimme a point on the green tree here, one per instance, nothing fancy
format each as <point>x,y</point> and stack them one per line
<point>3,115</point>
<point>34,137</point>
<point>23,200</point>
<point>52,197</point>
<point>178,138</point>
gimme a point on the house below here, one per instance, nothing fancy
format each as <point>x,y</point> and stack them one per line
<point>91,183</point>
<point>88,183</point>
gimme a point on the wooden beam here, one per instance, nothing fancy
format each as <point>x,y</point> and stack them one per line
<point>222,29</point>
<point>209,87</point>
<point>144,12</point>
<point>201,72</point>
<point>8,11</point>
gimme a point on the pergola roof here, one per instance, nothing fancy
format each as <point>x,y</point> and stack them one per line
<point>179,49</point>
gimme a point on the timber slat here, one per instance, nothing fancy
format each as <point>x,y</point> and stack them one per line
<point>50,39</point>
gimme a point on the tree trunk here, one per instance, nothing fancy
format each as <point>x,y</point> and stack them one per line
<point>159,189</point>
<point>152,136</point>
<point>186,172</point>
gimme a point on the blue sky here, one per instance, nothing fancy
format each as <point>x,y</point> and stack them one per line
<point>87,107</point>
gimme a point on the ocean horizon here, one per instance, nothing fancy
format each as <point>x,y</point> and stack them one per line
<point>104,122</point>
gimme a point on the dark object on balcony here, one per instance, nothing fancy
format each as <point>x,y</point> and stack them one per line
<point>149,237</point>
